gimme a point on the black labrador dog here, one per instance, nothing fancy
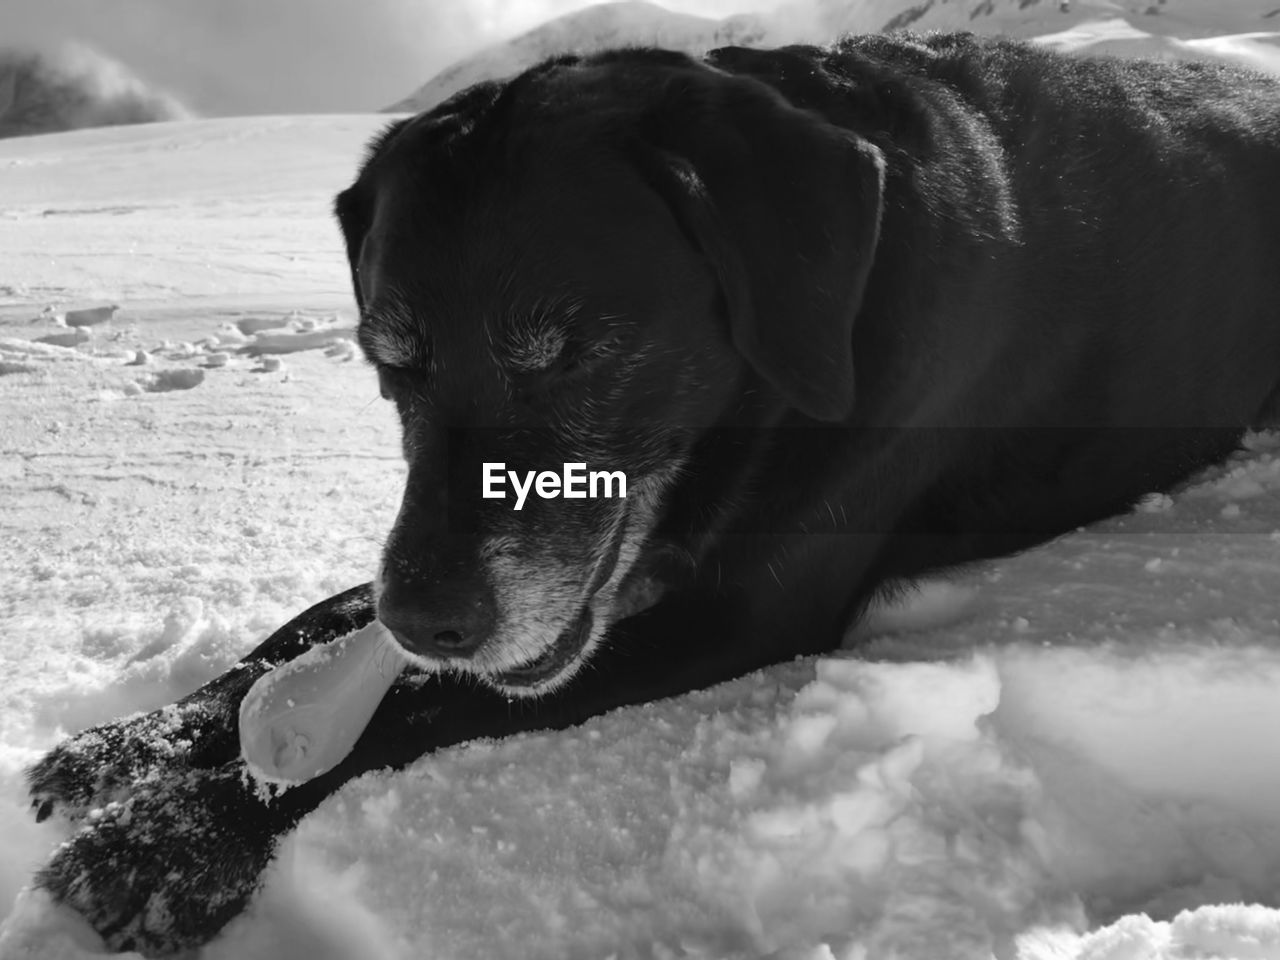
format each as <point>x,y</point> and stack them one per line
<point>842,316</point>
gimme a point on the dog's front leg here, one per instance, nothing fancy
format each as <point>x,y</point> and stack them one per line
<point>171,839</point>
<point>176,853</point>
<point>167,866</point>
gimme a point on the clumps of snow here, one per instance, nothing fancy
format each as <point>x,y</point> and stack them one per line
<point>266,335</point>
<point>1246,480</point>
<point>265,338</point>
<point>1228,931</point>
<point>1265,441</point>
<point>292,341</point>
<point>1155,503</point>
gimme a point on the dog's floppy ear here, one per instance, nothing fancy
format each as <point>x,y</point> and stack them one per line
<point>353,220</point>
<point>786,206</point>
<point>353,207</point>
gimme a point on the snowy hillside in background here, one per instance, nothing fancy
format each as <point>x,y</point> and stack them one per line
<point>1256,51</point>
<point>1240,31</point>
<point>72,87</point>
<point>1029,18</point>
<point>1072,755</point>
<point>594,28</point>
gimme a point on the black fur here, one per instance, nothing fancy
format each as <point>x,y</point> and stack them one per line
<point>895,305</point>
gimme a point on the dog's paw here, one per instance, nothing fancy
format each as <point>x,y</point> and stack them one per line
<point>101,764</point>
<point>165,868</point>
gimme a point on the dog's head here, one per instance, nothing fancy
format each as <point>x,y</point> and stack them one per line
<point>590,264</point>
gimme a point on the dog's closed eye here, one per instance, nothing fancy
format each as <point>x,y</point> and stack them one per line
<point>571,360</point>
<point>390,334</point>
<point>546,345</point>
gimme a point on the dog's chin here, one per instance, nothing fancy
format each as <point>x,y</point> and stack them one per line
<point>554,666</point>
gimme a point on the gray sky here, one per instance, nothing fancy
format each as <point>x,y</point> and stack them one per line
<point>269,56</point>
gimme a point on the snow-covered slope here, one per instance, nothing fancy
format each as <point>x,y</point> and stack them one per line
<point>1025,18</point>
<point>1129,27</point>
<point>73,86</point>
<point>1072,754</point>
<point>1259,50</point>
<point>176,210</point>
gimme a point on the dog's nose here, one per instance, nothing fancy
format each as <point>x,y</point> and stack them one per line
<point>448,621</point>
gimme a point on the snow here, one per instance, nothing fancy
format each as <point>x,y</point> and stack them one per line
<point>1069,754</point>
<point>1115,36</point>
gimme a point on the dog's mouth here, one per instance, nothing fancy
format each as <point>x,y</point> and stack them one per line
<point>556,659</point>
<point>565,650</point>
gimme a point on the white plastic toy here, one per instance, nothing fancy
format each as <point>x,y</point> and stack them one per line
<point>303,717</point>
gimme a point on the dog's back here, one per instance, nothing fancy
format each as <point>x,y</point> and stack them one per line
<point>1085,254</point>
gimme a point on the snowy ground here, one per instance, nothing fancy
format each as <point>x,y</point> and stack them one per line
<point>1071,755</point>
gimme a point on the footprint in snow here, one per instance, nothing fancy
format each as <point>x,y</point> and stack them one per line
<point>28,356</point>
<point>164,381</point>
<point>71,338</point>
<point>90,316</point>
<point>248,326</point>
